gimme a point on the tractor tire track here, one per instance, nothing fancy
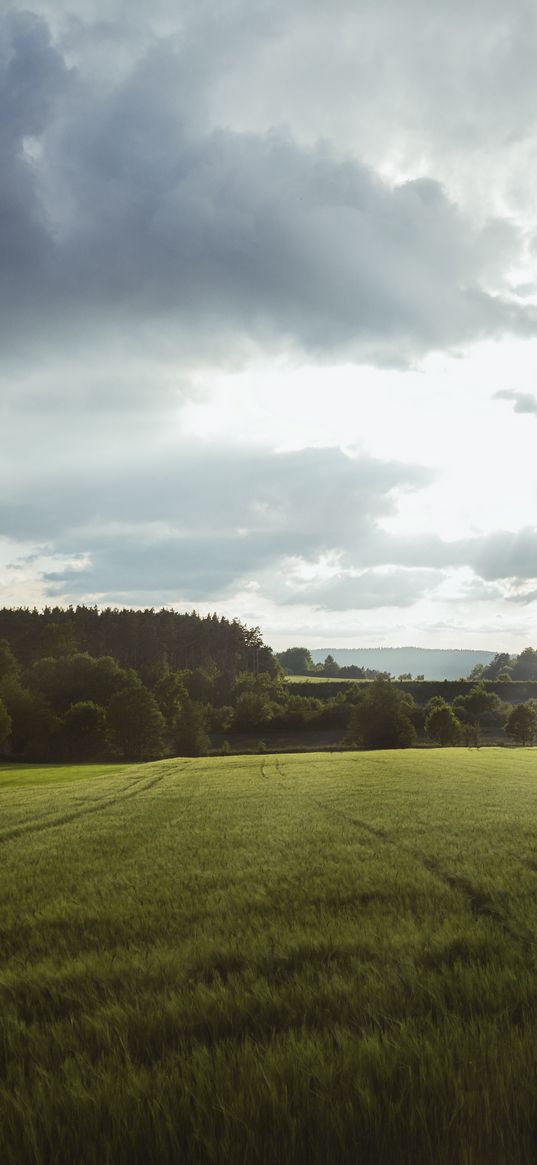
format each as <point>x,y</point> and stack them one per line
<point>478,901</point>
<point>77,800</point>
<point>271,767</point>
<point>86,811</point>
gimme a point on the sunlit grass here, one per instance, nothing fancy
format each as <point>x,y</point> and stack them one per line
<point>15,774</point>
<point>321,958</point>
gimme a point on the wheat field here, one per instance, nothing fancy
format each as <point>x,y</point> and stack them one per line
<point>280,959</point>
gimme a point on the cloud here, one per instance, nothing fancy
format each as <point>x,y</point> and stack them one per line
<point>360,70</point>
<point>524,598</point>
<point>170,204</point>
<point>524,402</point>
<point>305,499</point>
<point>445,89</point>
<point>197,522</point>
<point>127,213</point>
<point>495,556</point>
<point>499,555</point>
<point>365,590</point>
<point>504,554</point>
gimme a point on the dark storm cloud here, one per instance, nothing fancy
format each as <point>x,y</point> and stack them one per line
<point>523,402</point>
<point>128,213</point>
<point>33,79</point>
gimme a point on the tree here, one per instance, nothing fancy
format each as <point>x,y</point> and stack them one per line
<point>136,724</point>
<point>34,726</point>
<point>58,640</point>
<point>5,723</point>
<point>525,665</point>
<point>190,737</point>
<point>381,718</point>
<point>200,683</point>
<point>522,722</point>
<point>298,712</point>
<point>479,708</point>
<point>492,671</point>
<point>69,679</point>
<point>329,668</point>
<point>170,693</point>
<point>253,711</point>
<point>297,661</point>
<point>9,668</point>
<point>441,724</point>
<point>84,731</point>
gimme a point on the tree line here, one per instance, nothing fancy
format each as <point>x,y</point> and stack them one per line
<point>74,706</point>
<point>61,701</point>
<point>82,684</point>
<point>146,641</point>
<point>297,661</point>
<point>79,683</point>
<point>386,717</point>
<point>505,667</point>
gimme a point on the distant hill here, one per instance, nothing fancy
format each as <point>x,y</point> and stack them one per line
<point>433,664</point>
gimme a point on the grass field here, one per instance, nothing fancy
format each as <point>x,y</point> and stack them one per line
<point>318,959</point>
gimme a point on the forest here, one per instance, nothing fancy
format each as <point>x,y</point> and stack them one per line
<point>85,685</point>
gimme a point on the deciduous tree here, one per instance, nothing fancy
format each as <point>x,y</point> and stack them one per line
<point>522,722</point>
<point>441,724</point>
<point>478,709</point>
<point>5,723</point>
<point>190,737</point>
<point>296,660</point>
<point>84,731</point>
<point>381,719</point>
<point>136,723</point>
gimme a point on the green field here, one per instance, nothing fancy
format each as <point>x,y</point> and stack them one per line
<point>316,958</point>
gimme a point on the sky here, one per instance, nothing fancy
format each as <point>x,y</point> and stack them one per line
<point>268,324</point>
